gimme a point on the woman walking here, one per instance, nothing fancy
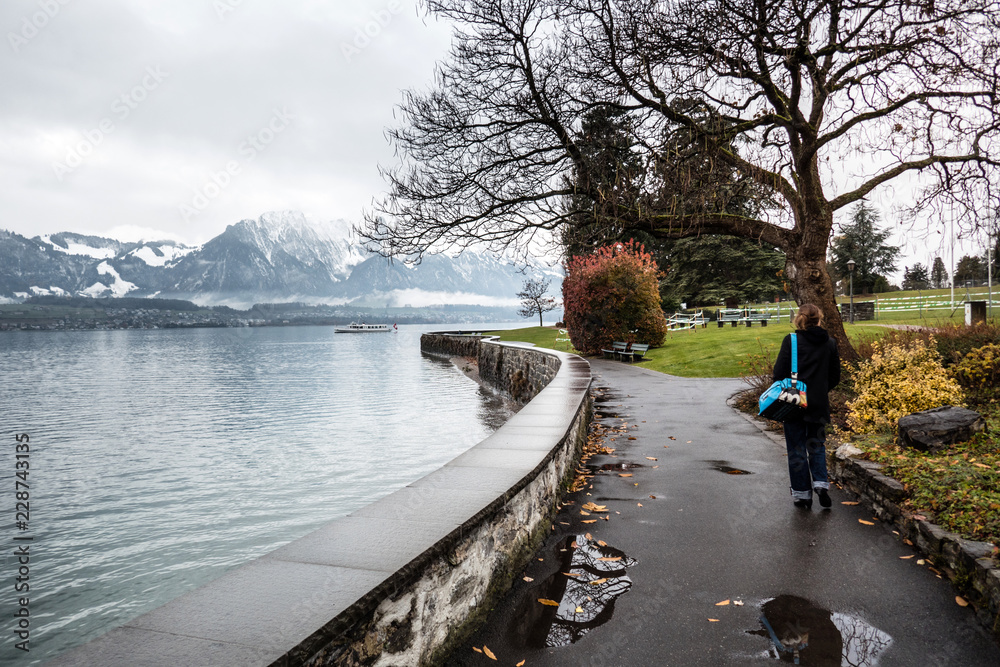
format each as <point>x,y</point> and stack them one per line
<point>805,437</point>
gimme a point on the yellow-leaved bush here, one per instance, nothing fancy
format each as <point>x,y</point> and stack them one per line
<point>979,370</point>
<point>899,380</point>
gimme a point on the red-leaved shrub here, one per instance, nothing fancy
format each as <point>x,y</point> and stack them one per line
<point>613,295</point>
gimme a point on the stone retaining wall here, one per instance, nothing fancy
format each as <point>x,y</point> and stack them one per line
<point>520,372</point>
<point>968,564</point>
<point>403,580</point>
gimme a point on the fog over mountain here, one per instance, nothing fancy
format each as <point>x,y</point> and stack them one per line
<point>282,256</point>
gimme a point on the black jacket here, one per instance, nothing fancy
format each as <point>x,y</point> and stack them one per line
<point>819,368</point>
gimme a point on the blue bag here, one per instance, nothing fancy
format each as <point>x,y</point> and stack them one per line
<point>785,399</point>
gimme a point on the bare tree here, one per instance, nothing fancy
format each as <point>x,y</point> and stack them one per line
<point>534,299</point>
<point>814,103</point>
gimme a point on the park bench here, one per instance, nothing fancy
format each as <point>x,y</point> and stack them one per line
<point>733,315</point>
<point>617,348</point>
<point>636,352</point>
<point>754,316</point>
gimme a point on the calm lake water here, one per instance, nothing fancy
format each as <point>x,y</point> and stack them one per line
<point>161,459</point>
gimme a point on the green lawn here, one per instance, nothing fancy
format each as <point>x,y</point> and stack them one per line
<point>708,352</point>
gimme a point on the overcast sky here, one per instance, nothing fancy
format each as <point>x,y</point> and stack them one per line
<point>154,119</point>
<point>186,116</point>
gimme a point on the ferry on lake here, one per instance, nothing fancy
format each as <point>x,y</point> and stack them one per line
<point>355,327</point>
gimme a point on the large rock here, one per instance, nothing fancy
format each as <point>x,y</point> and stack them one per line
<point>938,428</point>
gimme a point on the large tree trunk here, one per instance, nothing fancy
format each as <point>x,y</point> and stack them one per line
<point>810,283</point>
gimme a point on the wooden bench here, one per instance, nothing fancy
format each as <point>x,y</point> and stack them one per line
<point>729,315</point>
<point>636,352</point>
<point>754,316</point>
<point>617,348</point>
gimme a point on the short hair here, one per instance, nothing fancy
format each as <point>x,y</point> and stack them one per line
<point>809,316</point>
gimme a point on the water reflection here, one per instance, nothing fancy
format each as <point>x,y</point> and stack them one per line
<point>724,466</point>
<point>804,634</point>
<point>591,577</point>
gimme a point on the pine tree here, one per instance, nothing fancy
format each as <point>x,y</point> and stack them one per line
<point>863,241</point>
<point>939,276</point>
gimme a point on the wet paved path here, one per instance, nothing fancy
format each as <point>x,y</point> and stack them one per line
<point>710,536</point>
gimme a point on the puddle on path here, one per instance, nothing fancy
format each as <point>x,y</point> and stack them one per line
<point>617,467</point>
<point>804,634</point>
<point>586,599</point>
<point>723,466</point>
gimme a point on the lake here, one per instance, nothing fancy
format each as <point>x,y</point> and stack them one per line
<point>160,459</point>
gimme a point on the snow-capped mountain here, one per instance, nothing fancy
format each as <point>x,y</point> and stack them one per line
<point>281,256</point>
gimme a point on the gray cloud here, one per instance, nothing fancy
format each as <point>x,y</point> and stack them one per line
<point>120,112</point>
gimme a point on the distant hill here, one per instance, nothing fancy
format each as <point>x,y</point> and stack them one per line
<point>281,256</point>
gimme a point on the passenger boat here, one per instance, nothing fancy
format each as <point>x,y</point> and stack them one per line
<point>355,327</point>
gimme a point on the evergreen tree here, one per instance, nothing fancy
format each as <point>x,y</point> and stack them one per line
<point>970,268</point>
<point>915,278</point>
<point>710,269</point>
<point>863,241</point>
<point>939,275</point>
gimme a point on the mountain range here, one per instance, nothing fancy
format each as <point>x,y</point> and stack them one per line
<point>280,257</point>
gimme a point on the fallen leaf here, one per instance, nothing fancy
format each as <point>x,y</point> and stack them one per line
<point>671,437</point>
<point>738,603</point>
<point>589,521</point>
<point>655,467</point>
<point>528,579</point>
<point>689,442</point>
<point>906,557</point>
<point>624,474</point>
<point>541,560</point>
<point>919,517</point>
<point>477,650</point>
<point>631,437</point>
<point>651,458</point>
<point>598,582</point>
<point>489,653</point>
<point>921,562</point>
<point>548,603</point>
<point>610,559</point>
<point>981,465</point>
<point>588,536</point>
<point>571,574</point>
<point>867,523</point>
<point>602,543</point>
<point>582,513</point>
<point>653,497</point>
<point>713,620</point>
<point>579,610</point>
<point>962,602</point>
<point>907,542</point>
<point>849,502</point>
<point>723,603</point>
<point>519,664</point>
<point>639,504</point>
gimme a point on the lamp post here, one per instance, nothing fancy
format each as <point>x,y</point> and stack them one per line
<point>850,267</point>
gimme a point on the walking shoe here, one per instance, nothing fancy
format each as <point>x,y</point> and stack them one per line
<point>824,498</point>
<point>804,503</point>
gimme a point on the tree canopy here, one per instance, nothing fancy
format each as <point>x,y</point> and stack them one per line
<point>816,103</point>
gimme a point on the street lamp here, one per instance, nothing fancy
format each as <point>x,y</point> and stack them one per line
<point>850,267</point>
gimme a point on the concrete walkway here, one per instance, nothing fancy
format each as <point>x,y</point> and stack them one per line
<point>712,535</point>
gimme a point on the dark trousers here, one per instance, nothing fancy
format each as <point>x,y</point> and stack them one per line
<point>806,444</point>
